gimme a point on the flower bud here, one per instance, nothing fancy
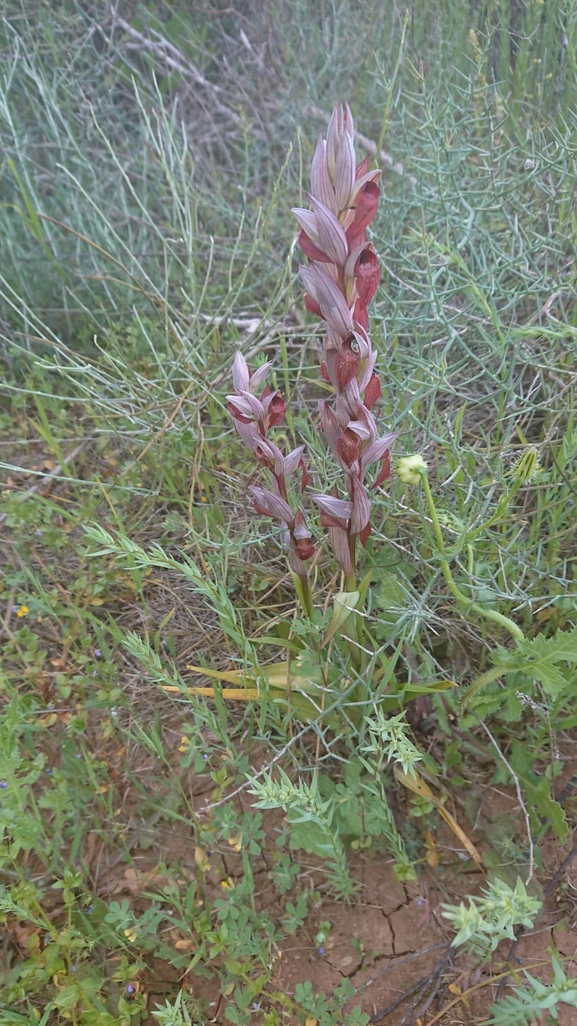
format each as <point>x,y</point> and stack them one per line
<point>411,468</point>
<point>527,466</point>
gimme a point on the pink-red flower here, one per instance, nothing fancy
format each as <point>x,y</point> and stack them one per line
<point>341,280</point>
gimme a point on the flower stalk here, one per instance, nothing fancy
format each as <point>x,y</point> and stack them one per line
<point>341,278</point>
<point>489,614</point>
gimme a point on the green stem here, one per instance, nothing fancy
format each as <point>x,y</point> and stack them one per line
<point>355,651</point>
<point>501,509</point>
<point>489,614</point>
<point>303,590</point>
<point>485,678</point>
<point>307,597</point>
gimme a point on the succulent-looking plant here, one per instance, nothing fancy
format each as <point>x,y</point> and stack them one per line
<point>341,279</point>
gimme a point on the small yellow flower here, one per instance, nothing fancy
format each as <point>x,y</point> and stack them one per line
<point>227,885</point>
<point>410,469</point>
<point>22,611</point>
<point>184,744</point>
<point>235,842</point>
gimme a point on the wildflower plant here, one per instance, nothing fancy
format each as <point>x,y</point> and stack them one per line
<point>341,279</point>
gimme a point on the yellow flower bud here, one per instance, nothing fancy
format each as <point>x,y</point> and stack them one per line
<point>411,468</point>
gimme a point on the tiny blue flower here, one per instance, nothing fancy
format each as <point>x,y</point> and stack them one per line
<point>130,989</point>
<point>98,653</point>
<point>321,951</point>
<point>420,901</point>
<point>206,756</point>
<point>73,968</point>
<point>47,939</point>
<point>38,533</point>
<point>3,784</point>
<point>48,771</point>
<point>89,910</point>
<point>79,755</point>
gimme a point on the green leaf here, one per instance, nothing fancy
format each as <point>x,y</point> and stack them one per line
<point>540,658</point>
<point>391,598</point>
<point>345,603</point>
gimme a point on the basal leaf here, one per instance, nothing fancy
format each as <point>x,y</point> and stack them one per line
<point>541,657</point>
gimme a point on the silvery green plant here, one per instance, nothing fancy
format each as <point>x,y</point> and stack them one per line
<point>304,805</point>
<point>526,1005</point>
<point>389,741</point>
<point>491,917</point>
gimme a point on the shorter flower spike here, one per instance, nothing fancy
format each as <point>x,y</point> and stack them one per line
<point>253,417</point>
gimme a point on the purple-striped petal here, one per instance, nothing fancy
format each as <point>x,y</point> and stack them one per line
<point>249,434</point>
<point>361,513</point>
<point>272,505</point>
<point>292,460</point>
<point>331,237</point>
<point>345,171</point>
<point>259,376</point>
<point>371,176</point>
<point>245,404</point>
<point>240,374</point>
<point>332,430</point>
<point>329,297</point>
<point>368,368</point>
<point>273,455</point>
<point>339,540</point>
<point>353,257</point>
<point>334,131</point>
<point>375,451</point>
<point>339,508</point>
<point>308,222</point>
<point>360,428</point>
<point>321,185</point>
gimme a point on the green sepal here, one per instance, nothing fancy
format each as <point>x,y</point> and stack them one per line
<point>345,603</point>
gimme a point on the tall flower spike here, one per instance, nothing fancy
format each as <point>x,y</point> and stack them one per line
<point>341,280</point>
